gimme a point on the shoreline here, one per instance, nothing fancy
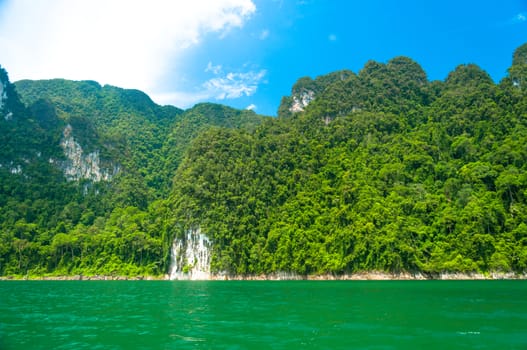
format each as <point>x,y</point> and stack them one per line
<point>82,278</point>
<point>379,276</point>
<point>359,276</point>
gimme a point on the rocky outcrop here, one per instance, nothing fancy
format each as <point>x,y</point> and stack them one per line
<point>8,115</point>
<point>301,101</point>
<point>3,93</point>
<point>78,165</point>
<point>191,257</point>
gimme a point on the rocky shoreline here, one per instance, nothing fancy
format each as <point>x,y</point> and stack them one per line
<point>379,276</point>
<point>359,276</point>
<point>82,278</point>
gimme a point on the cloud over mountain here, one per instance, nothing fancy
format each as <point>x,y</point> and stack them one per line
<point>130,44</point>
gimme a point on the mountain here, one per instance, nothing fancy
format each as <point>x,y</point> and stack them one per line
<point>306,89</point>
<point>377,170</point>
<point>75,156</point>
<point>381,170</point>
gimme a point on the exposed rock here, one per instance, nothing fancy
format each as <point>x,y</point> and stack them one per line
<point>3,93</point>
<point>80,166</point>
<point>16,169</point>
<point>191,257</point>
<point>301,101</point>
<point>3,100</point>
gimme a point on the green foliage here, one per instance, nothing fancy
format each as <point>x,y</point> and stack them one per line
<point>118,226</point>
<point>306,85</point>
<point>518,70</point>
<point>520,55</point>
<point>383,170</point>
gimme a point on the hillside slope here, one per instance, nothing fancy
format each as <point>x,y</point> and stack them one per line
<point>377,170</point>
<point>380,170</point>
<point>77,158</point>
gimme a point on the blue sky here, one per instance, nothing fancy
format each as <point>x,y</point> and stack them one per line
<point>248,53</point>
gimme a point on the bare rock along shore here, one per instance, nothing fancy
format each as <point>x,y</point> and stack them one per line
<point>377,276</point>
<point>283,276</point>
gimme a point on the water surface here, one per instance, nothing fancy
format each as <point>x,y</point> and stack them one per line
<point>263,314</point>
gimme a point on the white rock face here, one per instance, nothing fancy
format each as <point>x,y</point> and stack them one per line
<point>79,166</point>
<point>191,257</point>
<point>13,168</point>
<point>300,102</point>
<point>16,170</point>
<point>3,93</point>
<point>3,99</point>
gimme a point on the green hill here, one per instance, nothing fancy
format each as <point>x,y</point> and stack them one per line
<point>377,170</point>
<point>380,170</point>
<point>79,156</point>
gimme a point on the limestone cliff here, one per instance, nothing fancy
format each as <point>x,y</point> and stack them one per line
<point>301,100</point>
<point>78,165</point>
<point>305,90</point>
<point>191,256</point>
<point>4,84</point>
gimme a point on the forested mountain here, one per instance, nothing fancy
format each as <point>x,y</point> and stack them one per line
<point>380,170</point>
<point>78,157</point>
<point>376,170</point>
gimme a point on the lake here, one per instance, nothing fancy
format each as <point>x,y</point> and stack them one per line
<point>263,315</point>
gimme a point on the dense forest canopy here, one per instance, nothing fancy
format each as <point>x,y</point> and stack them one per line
<point>376,170</point>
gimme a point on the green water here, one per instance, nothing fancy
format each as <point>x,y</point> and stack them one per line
<point>263,315</point>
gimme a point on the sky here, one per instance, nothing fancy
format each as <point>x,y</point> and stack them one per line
<point>248,53</point>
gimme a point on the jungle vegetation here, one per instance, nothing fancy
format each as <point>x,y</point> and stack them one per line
<point>383,170</point>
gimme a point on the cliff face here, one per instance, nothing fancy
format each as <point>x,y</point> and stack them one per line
<point>31,138</point>
<point>20,137</point>
<point>301,101</point>
<point>191,256</point>
<point>78,165</point>
<point>3,93</point>
<point>306,90</point>
<point>4,111</point>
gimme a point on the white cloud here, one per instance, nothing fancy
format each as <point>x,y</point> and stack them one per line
<point>264,34</point>
<point>130,43</point>
<point>251,107</point>
<point>234,85</point>
<point>520,17</point>
<point>223,86</point>
<point>214,69</point>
